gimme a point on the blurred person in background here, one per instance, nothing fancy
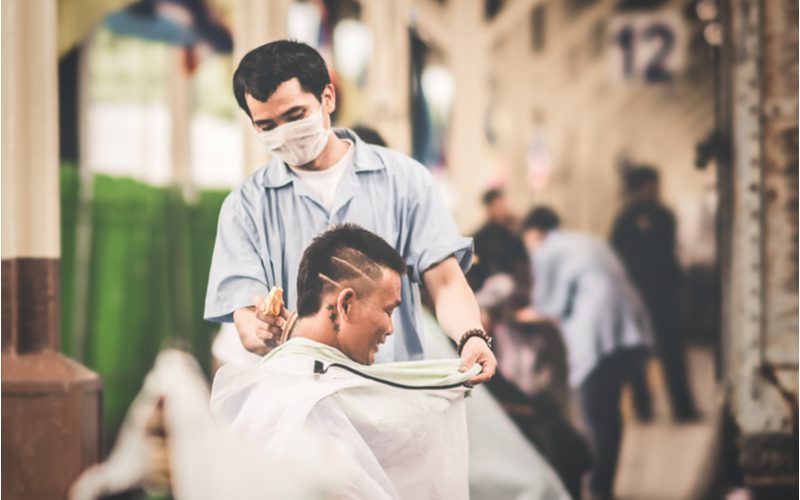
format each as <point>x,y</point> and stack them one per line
<point>581,284</point>
<point>320,177</point>
<point>644,237</point>
<point>497,212</point>
<point>531,383</point>
<point>499,250</point>
<point>543,416</point>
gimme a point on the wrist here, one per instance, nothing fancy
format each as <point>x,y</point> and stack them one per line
<point>475,333</point>
<point>241,312</point>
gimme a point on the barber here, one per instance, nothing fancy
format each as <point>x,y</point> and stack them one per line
<point>319,177</point>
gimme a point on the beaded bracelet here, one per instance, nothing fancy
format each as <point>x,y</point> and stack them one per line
<point>476,332</point>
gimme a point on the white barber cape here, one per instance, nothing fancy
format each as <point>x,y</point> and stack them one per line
<point>393,430</point>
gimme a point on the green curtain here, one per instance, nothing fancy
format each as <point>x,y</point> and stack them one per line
<point>149,261</point>
<point>202,223</point>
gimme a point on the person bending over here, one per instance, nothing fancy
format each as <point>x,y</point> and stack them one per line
<point>320,176</point>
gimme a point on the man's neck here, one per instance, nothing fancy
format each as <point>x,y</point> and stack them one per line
<point>334,151</point>
<point>318,328</point>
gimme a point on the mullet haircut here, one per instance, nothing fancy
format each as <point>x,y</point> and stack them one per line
<point>345,254</point>
<point>264,68</point>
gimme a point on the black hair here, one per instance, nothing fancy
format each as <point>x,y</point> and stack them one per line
<point>541,218</point>
<point>491,195</point>
<point>640,176</point>
<point>264,68</point>
<point>344,253</point>
<point>369,135</point>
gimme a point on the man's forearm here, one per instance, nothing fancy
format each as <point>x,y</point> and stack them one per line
<point>456,308</point>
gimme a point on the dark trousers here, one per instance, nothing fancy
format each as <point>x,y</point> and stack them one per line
<point>672,353</point>
<point>600,396</point>
<point>640,389</point>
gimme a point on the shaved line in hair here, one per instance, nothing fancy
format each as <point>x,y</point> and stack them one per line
<point>353,267</point>
<point>344,256</point>
<point>330,280</point>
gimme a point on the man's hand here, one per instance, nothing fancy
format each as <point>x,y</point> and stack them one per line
<point>259,333</point>
<point>458,312</point>
<point>476,351</point>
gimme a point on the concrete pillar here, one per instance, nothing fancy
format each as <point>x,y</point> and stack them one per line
<point>518,100</point>
<point>51,405</point>
<point>468,60</point>
<point>388,91</point>
<point>256,22</point>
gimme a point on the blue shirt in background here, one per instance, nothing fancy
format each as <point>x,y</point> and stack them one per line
<point>267,223</point>
<point>578,279</point>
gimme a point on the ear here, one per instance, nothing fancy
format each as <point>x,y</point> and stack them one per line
<point>344,302</point>
<point>329,98</point>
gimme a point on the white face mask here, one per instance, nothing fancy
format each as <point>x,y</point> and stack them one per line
<point>299,142</point>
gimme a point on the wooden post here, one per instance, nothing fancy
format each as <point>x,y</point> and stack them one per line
<point>51,404</point>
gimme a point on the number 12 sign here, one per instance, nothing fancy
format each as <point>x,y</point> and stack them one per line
<point>648,47</point>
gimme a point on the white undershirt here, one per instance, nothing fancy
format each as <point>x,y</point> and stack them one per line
<point>325,182</point>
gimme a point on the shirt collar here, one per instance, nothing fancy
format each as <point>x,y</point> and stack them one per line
<point>365,159</point>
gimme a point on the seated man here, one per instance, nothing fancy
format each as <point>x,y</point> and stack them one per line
<point>394,430</point>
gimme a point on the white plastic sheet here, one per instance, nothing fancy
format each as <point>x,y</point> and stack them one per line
<point>503,465</point>
<point>396,430</point>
